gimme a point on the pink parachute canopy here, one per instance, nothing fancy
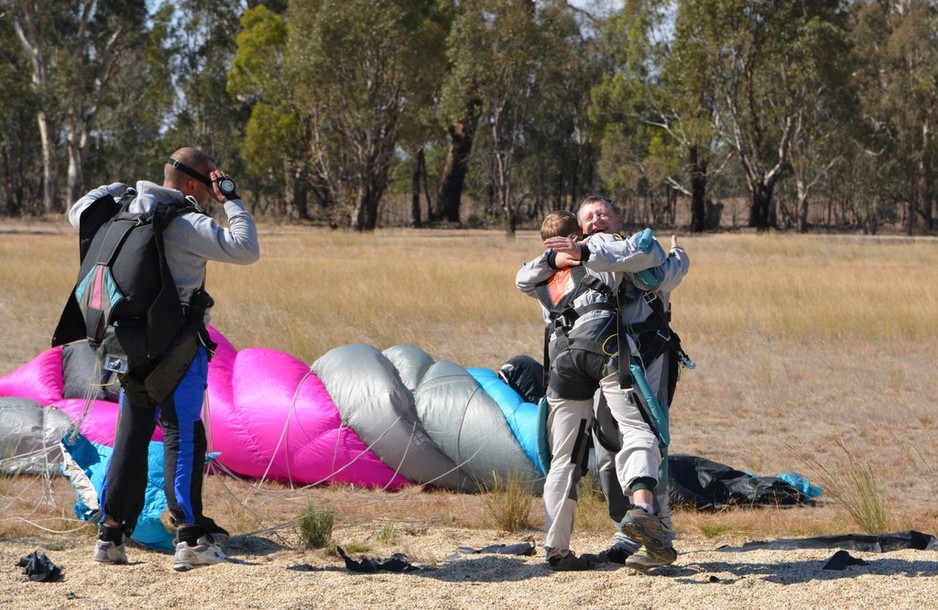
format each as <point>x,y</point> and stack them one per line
<point>269,415</point>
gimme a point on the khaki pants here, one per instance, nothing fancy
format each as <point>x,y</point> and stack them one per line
<point>568,428</point>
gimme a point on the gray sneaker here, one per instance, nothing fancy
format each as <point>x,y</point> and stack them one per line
<point>641,560</point>
<point>109,552</point>
<point>568,562</point>
<point>651,531</point>
<point>620,550</point>
<point>204,553</point>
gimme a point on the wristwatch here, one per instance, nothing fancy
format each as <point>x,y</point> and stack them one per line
<point>227,187</point>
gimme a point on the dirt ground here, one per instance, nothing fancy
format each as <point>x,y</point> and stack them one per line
<point>268,566</point>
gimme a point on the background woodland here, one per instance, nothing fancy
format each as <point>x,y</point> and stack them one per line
<point>703,114</point>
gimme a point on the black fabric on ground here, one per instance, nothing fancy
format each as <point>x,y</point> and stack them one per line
<point>38,567</point>
<point>705,484</point>
<point>841,560</point>
<point>397,563</point>
<point>524,375</point>
<point>882,543</point>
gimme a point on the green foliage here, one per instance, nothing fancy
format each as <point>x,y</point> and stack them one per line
<point>712,530</point>
<point>823,110</point>
<point>273,148</point>
<point>315,525</point>
<point>354,100</point>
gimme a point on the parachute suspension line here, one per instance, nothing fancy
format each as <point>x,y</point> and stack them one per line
<point>224,470</point>
<point>284,435</point>
<point>460,462</point>
<point>342,426</point>
<point>455,467</point>
<point>413,432</point>
<point>214,466</point>
<point>47,497</point>
<point>88,405</point>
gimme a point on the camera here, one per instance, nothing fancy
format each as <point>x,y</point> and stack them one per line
<point>227,187</point>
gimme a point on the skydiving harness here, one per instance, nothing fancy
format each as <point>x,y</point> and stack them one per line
<point>126,303</point>
<point>652,336</point>
<point>563,315</point>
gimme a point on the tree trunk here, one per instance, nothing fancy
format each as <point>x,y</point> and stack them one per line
<point>74,176</point>
<point>698,192</point>
<point>366,211</point>
<point>374,180</point>
<point>419,164</point>
<point>802,194</point>
<point>759,209</point>
<point>511,218</point>
<point>29,38</point>
<point>48,165</point>
<point>921,202</point>
<point>301,193</point>
<point>457,165</point>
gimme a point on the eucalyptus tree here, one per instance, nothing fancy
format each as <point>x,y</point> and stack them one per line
<point>635,112</point>
<point>558,156</point>
<point>755,55</point>
<point>203,45</point>
<point>899,89</point>
<point>75,51</point>
<point>349,64</point>
<point>276,144</point>
<point>19,153</point>
<point>127,143</point>
<point>497,51</point>
<point>827,129</point>
<point>429,23</point>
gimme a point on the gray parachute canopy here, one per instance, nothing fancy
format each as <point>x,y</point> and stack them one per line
<point>468,425</point>
<point>373,401</point>
<point>30,435</point>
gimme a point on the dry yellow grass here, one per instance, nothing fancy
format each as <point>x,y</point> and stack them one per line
<point>802,344</point>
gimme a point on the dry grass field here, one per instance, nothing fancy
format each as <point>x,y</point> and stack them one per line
<point>815,354</point>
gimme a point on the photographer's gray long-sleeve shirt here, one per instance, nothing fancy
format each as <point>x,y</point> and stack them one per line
<point>191,239</point>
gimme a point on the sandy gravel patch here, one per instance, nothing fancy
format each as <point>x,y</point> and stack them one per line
<point>263,573</point>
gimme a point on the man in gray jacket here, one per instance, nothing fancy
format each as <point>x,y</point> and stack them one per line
<point>587,359</point>
<point>191,239</point>
<point>645,310</point>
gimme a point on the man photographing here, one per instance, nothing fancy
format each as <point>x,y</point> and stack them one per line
<point>169,388</point>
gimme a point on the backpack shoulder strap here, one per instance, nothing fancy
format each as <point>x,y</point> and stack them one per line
<point>575,287</point>
<point>93,218</point>
<point>119,227</point>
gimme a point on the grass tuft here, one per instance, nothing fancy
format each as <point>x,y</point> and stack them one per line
<point>854,486</point>
<point>508,503</point>
<point>316,526</point>
<point>389,533</point>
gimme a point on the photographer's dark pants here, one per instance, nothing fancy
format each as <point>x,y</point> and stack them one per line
<point>184,446</point>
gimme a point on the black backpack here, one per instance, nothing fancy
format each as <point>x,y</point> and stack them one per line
<point>125,302</point>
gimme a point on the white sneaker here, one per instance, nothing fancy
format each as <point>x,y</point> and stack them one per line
<point>109,552</point>
<point>204,553</point>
